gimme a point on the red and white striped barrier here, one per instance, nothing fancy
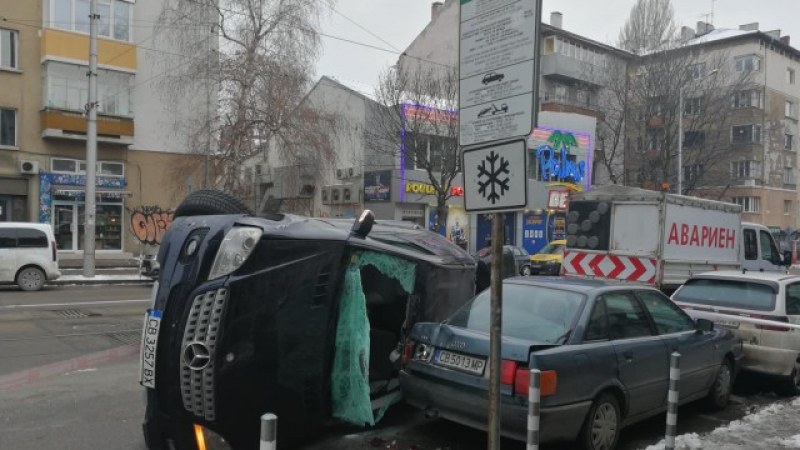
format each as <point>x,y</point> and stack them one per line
<point>630,268</point>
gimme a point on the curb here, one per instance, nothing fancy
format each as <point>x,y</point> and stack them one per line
<point>30,376</point>
<point>88,281</point>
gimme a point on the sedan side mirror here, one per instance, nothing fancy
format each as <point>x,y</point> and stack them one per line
<point>705,325</point>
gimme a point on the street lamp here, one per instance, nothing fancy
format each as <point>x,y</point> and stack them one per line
<point>680,132</point>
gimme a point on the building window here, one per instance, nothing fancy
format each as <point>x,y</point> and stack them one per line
<point>8,127</point>
<point>788,175</point>
<point>789,109</point>
<point>747,63</point>
<point>693,106</point>
<point>693,172</point>
<point>697,71</point>
<point>788,142</point>
<point>78,167</point>
<point>73,15</point>
<point>745,169</point>
<point>748,204</point>
<point>429,152</point>
<point>747,99</point>
<point>746,134</point>
<point>9,49</point>
<point>787,207</point>
<point>694,138</point>
<point>66,88</point>
<point>790,76</point>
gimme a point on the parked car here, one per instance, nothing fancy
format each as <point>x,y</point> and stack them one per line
<point>302,317</point>
<point>28,255</point>
<point>548,260</point>
<point>603,350</point>
<point>757,306</point>
<point>148,264</point>
<point>516,260</point>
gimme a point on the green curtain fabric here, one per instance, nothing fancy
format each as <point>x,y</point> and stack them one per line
<point>350,374</point>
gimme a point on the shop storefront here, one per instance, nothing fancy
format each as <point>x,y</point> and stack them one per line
<point>13,200</point>
<point>62,204</point>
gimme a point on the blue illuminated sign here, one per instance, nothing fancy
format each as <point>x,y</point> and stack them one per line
<point>554,159</point>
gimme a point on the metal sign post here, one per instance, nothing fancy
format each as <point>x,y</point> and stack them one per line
<point>498,103</point>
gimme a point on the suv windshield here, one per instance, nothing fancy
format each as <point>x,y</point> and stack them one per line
<point>729,293</point>
<point>529,312</point>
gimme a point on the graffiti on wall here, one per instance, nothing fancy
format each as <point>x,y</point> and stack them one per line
<point>150,223</point>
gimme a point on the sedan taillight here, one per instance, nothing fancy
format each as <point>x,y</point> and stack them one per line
<point>548,382</point>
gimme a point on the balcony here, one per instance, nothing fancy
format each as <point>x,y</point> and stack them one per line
<point>567,69</point>
<point>570,102</point>
<point>58,124</point>
<point>70,46</point>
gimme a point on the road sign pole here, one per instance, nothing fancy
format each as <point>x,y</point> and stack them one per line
<point>496,330</point>
<point>537,60</point>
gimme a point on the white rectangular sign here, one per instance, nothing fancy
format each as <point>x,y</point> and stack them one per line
<point>496,54</point>
<point>693,234</point>
<point>496,120</point>
<point>494,177</point>
<point>496,84</point>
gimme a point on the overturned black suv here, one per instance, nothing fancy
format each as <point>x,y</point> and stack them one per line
<point>301,317</point>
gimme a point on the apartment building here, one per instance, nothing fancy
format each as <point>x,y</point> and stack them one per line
<point>142,162</point>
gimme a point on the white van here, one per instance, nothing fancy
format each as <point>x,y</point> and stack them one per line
<point>759,252</point>
<point>28,255</point>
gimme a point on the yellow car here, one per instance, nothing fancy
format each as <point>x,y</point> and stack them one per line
<point>548,260</point>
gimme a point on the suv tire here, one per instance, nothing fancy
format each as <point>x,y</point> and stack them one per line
<point>211,202</point>
<point>791,385</point>
<point>31,279</point>
<point>719,394</point>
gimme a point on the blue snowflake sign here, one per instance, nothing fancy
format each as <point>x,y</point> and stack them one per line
<point>495,177</point>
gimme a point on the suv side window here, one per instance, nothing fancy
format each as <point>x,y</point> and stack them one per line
<point>597,329</point>
<point>750,245</point>
<point>626,318</point>
<point>667,316</point>
<point>27,237</point>
<point>768,250</point>
<point>793,299</point>
<point>8,238</point>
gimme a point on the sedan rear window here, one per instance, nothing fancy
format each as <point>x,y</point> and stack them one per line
<point>532,313</point>
<point>728,293</point>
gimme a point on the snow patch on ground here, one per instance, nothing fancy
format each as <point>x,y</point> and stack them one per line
<point>771,427</point>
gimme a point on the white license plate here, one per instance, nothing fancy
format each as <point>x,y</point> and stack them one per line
<point>147,373</point>
<point>458,361</point>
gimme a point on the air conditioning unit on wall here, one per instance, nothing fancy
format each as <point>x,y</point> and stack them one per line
<point>28,167</point>
<point>353,172</point>
<point>341,174</point>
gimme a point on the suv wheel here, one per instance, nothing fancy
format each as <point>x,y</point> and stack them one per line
<point>791,386</point>
<point>31,279</point>
<point>210,202</point>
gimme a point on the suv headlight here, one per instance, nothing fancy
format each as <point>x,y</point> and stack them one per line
<point>234,250</point>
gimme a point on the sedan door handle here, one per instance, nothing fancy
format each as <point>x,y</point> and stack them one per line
<point>628,355</point>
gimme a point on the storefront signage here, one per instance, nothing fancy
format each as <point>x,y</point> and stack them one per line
<point>557,200</point>
<point>562,156</point>
<point>428,189</point>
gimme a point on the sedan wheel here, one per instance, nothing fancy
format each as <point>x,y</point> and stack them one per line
<point>30,279</point>
<point>720,393</point>
<point>602,427</point>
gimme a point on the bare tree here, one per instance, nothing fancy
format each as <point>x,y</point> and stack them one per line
<point>650,27</point>
<point>416,119</point>
<point>645,113</point>
<point>258,56</point>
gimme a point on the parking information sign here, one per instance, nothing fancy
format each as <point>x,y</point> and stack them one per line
<point>496,63</point>
<point>495,178</point>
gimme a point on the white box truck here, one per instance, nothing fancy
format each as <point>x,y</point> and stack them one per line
<point>662,239</point>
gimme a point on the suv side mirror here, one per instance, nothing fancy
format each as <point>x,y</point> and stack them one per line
<point>787,258</point>
<point>704,325</point>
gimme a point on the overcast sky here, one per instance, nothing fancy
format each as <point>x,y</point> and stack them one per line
<point>397,22</point>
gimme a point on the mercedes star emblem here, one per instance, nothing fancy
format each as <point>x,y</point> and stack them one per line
<point>196,355</point>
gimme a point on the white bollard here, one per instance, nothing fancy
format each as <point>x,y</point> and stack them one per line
<point>534,406</point>
<point>672,400</point>
<point>269,432</point>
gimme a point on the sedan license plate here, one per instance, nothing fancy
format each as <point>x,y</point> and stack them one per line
<point>147,372</point>
<point>458,361</point>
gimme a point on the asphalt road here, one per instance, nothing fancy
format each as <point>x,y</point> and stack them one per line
<point>98,405</point>
<point>58,323</point>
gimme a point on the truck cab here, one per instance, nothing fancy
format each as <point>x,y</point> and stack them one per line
<point>759,252</point>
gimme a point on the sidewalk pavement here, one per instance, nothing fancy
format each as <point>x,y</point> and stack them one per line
<point>118,268</point>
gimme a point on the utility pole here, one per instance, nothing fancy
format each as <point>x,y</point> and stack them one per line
<point>91,148</point>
